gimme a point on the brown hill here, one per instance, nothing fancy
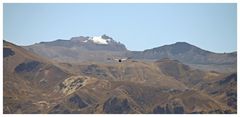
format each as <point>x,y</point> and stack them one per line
<point>26,77</point>
<point>37,85</point>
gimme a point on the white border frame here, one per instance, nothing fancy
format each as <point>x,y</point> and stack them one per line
<point>117,1</point>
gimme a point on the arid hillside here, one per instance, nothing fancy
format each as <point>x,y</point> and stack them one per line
<point>33,83</point>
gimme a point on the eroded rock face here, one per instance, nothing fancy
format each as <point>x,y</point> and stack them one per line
<point>159,110</point>
<point>232,77</point>
<point>232,99</point>
<point>8,52</point>
<point>231,95</point>
<point>77,101</point>
<point>168,110</point>
<point>27,66</point>
<point>59,109</point>
<point>115,105</point>
<point>175,106</point>
<point>72,84</point>
<point>178,110</point>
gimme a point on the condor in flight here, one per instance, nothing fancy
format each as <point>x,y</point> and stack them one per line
<point>119,59</point>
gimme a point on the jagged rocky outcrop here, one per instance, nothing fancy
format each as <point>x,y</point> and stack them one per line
<point>72,84</point>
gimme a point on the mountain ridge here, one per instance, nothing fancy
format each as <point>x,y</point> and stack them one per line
<point>83,38</point>
<point>98,49</point>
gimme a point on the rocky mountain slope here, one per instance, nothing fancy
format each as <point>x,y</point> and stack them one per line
<point>79,49</point>
<point>33,84</point>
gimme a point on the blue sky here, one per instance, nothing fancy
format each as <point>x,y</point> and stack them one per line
<point>212,27</point>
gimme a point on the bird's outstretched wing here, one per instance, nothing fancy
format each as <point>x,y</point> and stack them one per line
<point>116,59</point>
<point>112,59</point>
<point>124,59</point>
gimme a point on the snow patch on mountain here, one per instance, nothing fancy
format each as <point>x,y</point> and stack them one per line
<point>98,40</point>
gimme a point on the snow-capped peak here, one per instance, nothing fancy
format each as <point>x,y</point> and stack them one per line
<point>99,40</point>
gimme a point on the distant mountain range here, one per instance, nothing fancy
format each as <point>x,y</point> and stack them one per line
<point>88,43</point>
<point>85,49</point>
<point>186,53</point>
